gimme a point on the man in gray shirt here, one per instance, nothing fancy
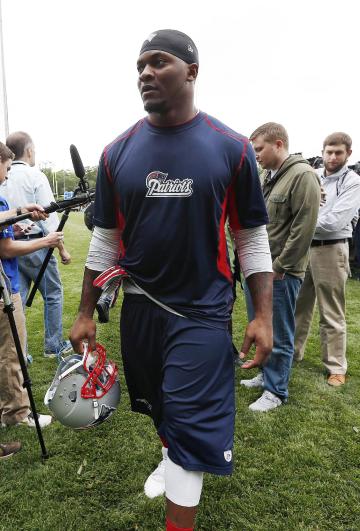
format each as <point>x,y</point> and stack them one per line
<point>329,259</point>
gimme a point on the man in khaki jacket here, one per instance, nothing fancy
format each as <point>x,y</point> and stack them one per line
<point>292,193</point>
<point>328,269</point>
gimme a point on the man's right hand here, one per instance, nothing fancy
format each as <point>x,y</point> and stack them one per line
<point>84,329</point>
<point>37,212</point>
<point>258,332</point>
<point>53,239</point>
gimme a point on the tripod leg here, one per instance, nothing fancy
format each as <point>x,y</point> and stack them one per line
<point>9,310</point>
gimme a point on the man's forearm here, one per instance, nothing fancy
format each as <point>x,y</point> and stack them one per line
<point>90,294</point>
<point>61,247</point>
<point>253,250</point>
<point>261,289</point>
<point>13,248</point>
<point>5,214</point>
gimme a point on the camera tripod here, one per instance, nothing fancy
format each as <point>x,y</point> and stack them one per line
<point>9,310</point>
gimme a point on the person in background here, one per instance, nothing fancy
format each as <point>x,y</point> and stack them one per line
<point>329,268</point>
<point>356,242</point>
<point>9,449</point>
<point>14,400</point>
<point>27,184</point>
<point>292,194</point>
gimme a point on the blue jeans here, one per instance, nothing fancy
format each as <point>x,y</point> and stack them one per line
<point>277,369</point>
<point>51,290</point>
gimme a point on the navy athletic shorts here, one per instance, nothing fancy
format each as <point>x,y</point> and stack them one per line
<point>181,373</point>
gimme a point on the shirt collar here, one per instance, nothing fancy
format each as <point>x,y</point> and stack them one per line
<point>16,162</point>
<point>335,175</point>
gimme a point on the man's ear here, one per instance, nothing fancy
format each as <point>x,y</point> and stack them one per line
<point>29,151</point>
<point>193,70</point>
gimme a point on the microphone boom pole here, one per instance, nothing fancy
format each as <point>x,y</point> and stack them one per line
<point>57,206</point>
<point>83,187</point>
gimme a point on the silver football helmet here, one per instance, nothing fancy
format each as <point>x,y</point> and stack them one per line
<point>85,390</point>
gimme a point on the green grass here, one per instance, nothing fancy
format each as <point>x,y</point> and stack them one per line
<point>296,468</point>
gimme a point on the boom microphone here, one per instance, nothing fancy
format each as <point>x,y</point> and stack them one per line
<point>77,162</point>
<point>79,169</point>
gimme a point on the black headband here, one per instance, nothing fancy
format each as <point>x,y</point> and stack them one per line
<point>174,42</point>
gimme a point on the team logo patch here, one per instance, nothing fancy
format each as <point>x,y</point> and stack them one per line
<point>228,455</point>
<point>159,185</point>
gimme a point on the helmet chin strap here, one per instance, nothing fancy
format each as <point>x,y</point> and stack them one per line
<point>96,409</point>
<point>71,369</point>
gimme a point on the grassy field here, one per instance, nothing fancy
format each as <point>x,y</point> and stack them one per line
<point>296,468</point>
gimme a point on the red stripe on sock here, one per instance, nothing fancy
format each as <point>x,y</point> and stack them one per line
<point>170,526</point>
<point>164,442</point>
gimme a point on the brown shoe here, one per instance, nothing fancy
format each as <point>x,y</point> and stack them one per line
<point>9,449</point>
<point>336,380</point>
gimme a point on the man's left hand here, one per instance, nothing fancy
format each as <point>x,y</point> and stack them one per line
<point>65,256</point>
<point>20,229</point>
<point>258,332</point>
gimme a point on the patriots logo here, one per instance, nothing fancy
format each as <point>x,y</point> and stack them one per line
<point>159,185</point>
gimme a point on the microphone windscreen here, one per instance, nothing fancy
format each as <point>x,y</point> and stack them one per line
<point>77,162</point>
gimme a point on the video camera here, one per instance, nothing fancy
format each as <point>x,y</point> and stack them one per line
<point>316,162</point>
<point>356,167</point>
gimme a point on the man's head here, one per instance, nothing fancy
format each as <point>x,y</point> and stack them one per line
<point>22,146</point>
<point>167,65</point>
<point>6,157</point>
<point>271,145</point>
<point>336,151</point>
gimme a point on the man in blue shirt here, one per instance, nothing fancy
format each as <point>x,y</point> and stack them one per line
<point>165,190</point>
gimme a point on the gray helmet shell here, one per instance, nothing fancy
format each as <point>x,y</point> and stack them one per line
<point>64,396</point>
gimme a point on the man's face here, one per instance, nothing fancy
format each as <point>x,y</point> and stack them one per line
<point>162,81</point>
<point>4,168</point>
<point>267,153</point>
<point>335,157</point>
